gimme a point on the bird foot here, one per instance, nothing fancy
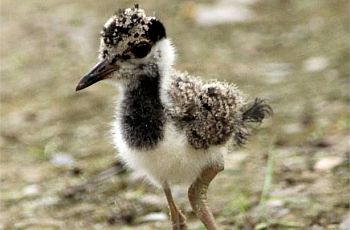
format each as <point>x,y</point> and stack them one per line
<point>177,218</point>
<point>179,221</point>
<point>180,226</point>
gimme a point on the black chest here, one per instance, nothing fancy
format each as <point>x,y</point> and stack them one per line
<point>143,118</point>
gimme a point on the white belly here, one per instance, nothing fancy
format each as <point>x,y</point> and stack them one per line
<point>172,160</point>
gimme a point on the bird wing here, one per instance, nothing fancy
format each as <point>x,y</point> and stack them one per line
<point>207,112</point>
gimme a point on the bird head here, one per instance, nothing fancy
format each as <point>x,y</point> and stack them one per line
<point>128,42</point>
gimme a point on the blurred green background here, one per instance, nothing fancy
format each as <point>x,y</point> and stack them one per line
<point>294,172</point>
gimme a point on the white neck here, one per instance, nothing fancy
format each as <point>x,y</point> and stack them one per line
<point>166,52</point>
<point>165,64</point>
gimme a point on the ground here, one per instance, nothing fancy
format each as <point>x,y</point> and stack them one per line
<point>293,173</point>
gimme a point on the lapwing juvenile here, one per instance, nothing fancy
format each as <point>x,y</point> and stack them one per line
<point>171,127</point>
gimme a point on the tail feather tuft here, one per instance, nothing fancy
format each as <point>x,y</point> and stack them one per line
<point>258,111</point>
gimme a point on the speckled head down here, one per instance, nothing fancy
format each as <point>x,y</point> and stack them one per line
<point>126,47</point>
<point>130,34</point>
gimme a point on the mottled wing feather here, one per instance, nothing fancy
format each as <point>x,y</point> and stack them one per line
<point>208,112</point>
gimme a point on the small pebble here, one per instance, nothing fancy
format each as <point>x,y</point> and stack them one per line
<point>155,216</point>
<point>62,159</point>
<point>292,128</point>
<point>315,64</point>
<point>31,190</point>
<point>345,224</point>
<point>327,163</point>
<point>221,13</point>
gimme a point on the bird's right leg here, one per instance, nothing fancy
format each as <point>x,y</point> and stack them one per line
<point>197,194</point>
<point>177,218</point>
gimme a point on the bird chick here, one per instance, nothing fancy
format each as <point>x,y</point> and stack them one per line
<point>171,127</point>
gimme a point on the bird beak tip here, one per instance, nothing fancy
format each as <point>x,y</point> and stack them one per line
<point>78,88</point>
<point>99,72</point>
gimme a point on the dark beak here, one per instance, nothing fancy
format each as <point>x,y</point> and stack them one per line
<point>99,72</point>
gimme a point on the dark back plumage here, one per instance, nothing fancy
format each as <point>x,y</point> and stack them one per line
<point>210,113</point>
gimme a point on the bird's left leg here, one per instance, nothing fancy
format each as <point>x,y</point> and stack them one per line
<point>197,194</point>
<point>177,218</point>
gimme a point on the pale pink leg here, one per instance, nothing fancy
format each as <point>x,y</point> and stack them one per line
<point>197,194</point>
<point>177,218</point>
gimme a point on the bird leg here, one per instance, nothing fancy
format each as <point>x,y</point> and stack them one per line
<point>177,218</point>
<point>197,195</point>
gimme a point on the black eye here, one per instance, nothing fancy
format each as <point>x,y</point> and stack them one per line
<point>141,50</point>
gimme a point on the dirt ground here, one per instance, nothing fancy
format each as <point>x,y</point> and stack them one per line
<point>293,173</point>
